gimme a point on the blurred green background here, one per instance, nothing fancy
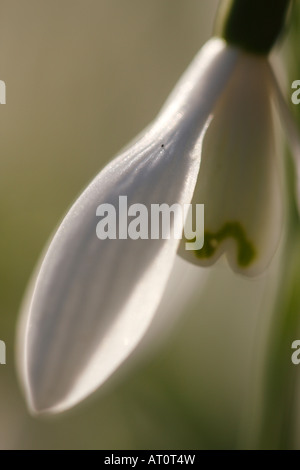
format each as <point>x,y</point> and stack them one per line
<point>83,78</point>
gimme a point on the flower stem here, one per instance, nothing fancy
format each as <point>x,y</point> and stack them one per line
<point>278,426</point>
<point>253,25</point>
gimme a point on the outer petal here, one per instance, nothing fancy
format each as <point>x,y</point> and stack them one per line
<point>93,300</point>
<point>239,182</point>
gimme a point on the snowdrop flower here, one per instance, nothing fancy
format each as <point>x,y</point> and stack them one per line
<point>92,300</point>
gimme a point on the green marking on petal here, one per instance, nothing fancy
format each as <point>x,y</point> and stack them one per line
<point>246,251</point>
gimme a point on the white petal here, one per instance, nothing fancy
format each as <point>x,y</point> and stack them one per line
<point>186,283</point>
<point>93,300</point>
<point>239,182</point>
<point>291,129</point>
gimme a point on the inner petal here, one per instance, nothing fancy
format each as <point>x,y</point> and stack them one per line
<point>239,180</point>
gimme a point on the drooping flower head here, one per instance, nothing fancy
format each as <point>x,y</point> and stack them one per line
<point>93,299</point>
<point>239,181</point>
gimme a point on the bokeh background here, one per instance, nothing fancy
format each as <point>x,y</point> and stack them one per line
<point>83,78</point>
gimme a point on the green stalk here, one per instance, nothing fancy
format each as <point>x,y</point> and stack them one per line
<point>253,25</point>
<point>280,373</point>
